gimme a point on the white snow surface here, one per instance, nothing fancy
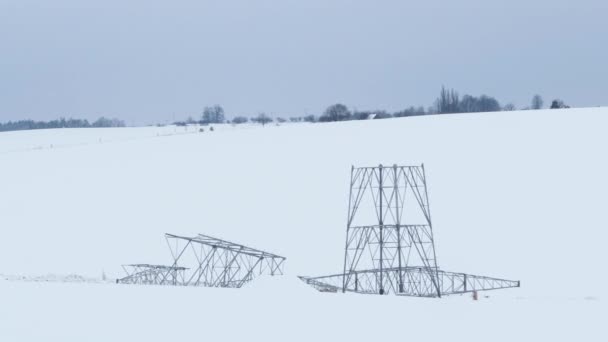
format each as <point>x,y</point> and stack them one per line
<point>515,195</point>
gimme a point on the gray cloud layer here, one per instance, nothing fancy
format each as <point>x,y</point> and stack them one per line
<point>148,61</point>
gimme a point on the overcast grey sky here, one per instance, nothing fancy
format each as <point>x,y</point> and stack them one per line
<point>148,61</point>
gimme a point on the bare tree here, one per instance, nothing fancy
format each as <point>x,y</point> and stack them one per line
<point>537,102</point>
<point>213,114</point>
<point>509,107</point>
<point>262,119</point>
<point>337,112</point>
<point>448,101</point>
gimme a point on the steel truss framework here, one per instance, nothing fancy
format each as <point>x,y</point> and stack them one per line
<point>146,274</point>
<point>220,263</point>
<point>389,246</point>
<point>211,262</point>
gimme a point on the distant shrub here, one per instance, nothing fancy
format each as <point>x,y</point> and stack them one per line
<point>239,120</point>
<point>309,118</point>
<point>361,115</point>
<point>262,119</point>
<point>105,122</point>
<point>412,111</point>
<point>337,112</point>
<point>557,104</point>
<point>509,107</point>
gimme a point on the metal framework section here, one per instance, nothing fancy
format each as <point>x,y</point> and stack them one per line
<point>214,262</point>
<point>145,274</point>
<point>417,282</point>
<point>389,240</point>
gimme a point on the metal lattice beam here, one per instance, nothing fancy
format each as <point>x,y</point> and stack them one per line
<point>219,263</point>
<point>145,274</point>
<point>416,282</point>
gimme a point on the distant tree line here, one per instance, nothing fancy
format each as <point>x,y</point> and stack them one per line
<point>448,101</point>
<point>216,115</point>
<point>263,119</point>
<point>60,123</point>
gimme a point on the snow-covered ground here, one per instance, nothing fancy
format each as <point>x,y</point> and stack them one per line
<point>21,141</point>
<point>517,195</point>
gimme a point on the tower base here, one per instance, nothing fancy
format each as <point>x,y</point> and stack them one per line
<point>407,281</point>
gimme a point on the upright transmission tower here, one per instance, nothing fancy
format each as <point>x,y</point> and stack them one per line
<point>389,240</point>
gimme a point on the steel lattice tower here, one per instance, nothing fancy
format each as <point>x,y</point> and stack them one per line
<point>389,240</point>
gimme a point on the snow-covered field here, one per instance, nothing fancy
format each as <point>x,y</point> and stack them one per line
<point>517,195</point>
